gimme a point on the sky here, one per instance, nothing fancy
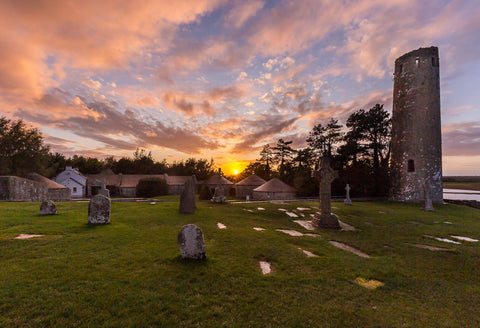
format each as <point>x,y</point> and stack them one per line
<point>220,79</point>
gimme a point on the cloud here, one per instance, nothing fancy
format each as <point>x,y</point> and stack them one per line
<point>343,110</point>
<point>278,63</point>
<point>376,40</point>
<point>92,84</point>
<point>265,128</point>
<point>225,92</point>
<point>461,139</point>
<point>242,11</point>
<point>197,75</point>
<point>206,102</point>
<point>294,96</point>
<point>42,39</point>
<point>124,131</point>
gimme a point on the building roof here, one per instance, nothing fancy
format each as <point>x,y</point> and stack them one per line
<point>109,179</point>
<point>252,180</point>
<point>121,180</point>
<point>50,183</point>
<point>218,179</point>
<point>275,185</point>
<point>69,168</point>
<point>131,180</point>
<point>179,180</point>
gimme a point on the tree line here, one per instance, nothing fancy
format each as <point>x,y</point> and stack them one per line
<point>360,151</point>
<point>22,151</point>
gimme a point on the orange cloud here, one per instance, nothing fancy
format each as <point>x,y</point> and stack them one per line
<point>242,11</point>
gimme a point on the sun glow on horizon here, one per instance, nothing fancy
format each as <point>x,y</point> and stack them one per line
<point>234,168</point>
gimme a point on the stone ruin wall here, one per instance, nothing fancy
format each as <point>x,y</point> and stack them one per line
<point>416,127</point>
<point>19,189</point>
<point>58,195</point>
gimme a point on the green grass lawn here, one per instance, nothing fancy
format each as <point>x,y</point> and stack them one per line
<point>130,274</point>
<point>462,185</point>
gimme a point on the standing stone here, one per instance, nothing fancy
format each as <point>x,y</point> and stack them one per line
<point>428,200</point>
<point>99,210</point>
<point>326,219</point>
<point>103,190</point>
<point>191,242</point>
<point>219,195</point>
<point>347,200</point>
<point>48,208</point>
<point>187,198</point>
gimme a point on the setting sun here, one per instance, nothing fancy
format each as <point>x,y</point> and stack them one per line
<point>233,167</point>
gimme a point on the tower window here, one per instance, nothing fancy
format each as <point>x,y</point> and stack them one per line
<point>74,189</point>
<point>433,61</point>
<point>400,69</point>
<point>411,165</point>
<point>417,61</point>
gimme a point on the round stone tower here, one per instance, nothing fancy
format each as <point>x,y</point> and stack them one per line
<point>416,161</point>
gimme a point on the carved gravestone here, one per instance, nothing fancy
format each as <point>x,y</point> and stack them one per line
<point>347,200</point>
<point>187,198</point>
<point>191,242</point>
<point>99,210</point>
<point>48,208</point>
<point>219,195</point>
<point>325,175</point>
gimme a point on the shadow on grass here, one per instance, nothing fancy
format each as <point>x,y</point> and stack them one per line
<point>191,263</point>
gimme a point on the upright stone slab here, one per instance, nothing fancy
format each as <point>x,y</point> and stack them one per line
<point>104,191</point>
<point>48,208</point>
<point>191,242</point>
<point>347,200</point>
<point>326,219</point>
<point>187,198</point>
<point>99,210</point>
<point>428,200</point>
<point>219,195</point>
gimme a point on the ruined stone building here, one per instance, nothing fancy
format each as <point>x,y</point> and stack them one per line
<point>416,159</point>
<point>33,188</point>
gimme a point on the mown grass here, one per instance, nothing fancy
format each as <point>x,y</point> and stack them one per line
<point>129,273</point>
<point>462,185</point>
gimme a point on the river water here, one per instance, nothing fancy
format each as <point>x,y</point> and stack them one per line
<point>460,194</point>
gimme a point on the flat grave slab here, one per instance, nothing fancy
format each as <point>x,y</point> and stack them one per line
<point>309,254</point>
<point>369,283</point>
<point>265,267</point>
<point>27,236</point>
<point>348,248</point>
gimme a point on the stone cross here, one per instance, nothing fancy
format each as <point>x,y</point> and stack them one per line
<point>347,200</point>
<point>325,175</point>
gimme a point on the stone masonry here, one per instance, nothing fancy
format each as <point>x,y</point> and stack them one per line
<point>416,127</point>
<point>18,189</point>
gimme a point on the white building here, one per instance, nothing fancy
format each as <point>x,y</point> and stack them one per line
<point>74,180</point>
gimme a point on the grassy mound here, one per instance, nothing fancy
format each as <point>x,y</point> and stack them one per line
<point>130,274</point>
